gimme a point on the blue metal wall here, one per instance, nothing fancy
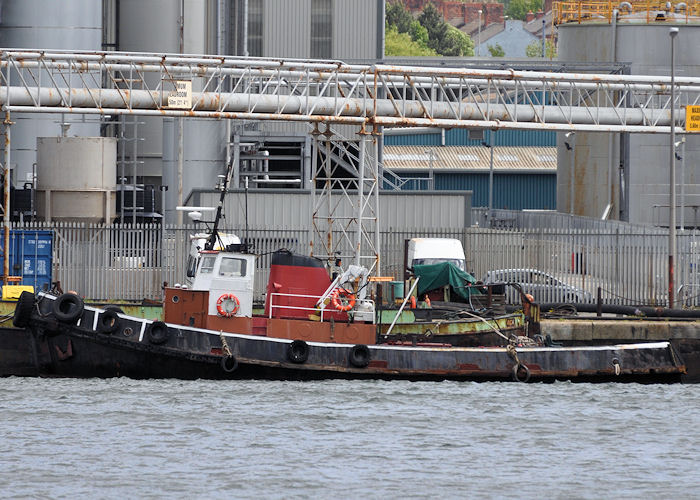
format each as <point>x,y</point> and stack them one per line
<point>512,191</point>
<point>458,137</point>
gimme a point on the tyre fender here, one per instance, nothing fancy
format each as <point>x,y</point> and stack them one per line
<point>157,333</point>
<point>521,373</point>
<point>359,356</point>
<point>108,321</point>
<point>298,351</point>
<point>229,363</point>
<point>68,307</point>
<point>23,310</point>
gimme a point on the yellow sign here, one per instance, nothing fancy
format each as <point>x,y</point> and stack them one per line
<point>181,98</point>
<point>692,118</point>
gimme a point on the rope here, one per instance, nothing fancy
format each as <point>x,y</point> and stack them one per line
<point>561,311</point>
<point>492,326</point>
<point>510,349</point>
<point>224,344</point>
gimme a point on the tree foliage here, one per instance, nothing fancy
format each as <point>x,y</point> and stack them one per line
<point>397,15</point>
<point>401,44</point>
<point>534,49</point>
<point>518,9</point>
<point>431,19</point>
<point>496,50</point>
<point>429,32</point>
<point>418,33</point>
<point>444,39</point>
<point>457,43</point>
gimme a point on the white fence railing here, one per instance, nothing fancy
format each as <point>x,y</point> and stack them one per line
<point>131,263</point>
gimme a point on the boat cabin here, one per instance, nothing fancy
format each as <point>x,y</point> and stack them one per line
<point>301,301</point>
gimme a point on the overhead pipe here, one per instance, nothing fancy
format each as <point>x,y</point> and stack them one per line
<point>413,113</point>
<point>206,65</point>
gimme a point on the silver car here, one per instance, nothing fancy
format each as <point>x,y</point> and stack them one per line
<point>544,287</point>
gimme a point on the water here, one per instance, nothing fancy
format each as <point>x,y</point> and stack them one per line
<point>122,438</point>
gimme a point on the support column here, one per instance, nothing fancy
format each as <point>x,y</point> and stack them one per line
<point>6,201</point>
<point>360,199</point>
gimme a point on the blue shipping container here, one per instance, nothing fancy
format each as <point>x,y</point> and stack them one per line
<point>31,256</point>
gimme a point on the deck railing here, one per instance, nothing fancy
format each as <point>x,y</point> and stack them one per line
<point>602,11</point>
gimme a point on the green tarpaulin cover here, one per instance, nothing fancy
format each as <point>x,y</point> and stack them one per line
<point>434,276</point>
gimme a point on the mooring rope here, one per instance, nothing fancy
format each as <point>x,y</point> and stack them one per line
<point>224,344</point>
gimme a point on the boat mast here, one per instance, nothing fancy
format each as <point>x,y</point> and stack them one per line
<point>209,245</point>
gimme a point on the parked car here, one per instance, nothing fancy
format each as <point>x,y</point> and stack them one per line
<point>544,287</point>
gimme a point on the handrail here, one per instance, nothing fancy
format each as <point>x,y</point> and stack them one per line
<point>590,10</point>
<point>403,304</point>
<point>315,309</point>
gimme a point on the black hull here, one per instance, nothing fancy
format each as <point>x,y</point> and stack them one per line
<point>142,349</point>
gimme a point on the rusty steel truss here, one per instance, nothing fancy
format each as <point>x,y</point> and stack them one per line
<point>332,92</point>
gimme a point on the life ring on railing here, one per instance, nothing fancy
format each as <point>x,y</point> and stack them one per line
<point>223,305</point>
<point>335,299</point>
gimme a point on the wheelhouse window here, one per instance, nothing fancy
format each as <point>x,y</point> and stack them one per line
<point>207,265</point>
<point>321,29</point>
<point>191,266</point>
<point>232,267</point>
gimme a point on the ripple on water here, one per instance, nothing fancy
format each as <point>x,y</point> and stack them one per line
<point>119,437</point>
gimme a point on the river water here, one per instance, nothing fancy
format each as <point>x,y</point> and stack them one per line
<point>123,438</point>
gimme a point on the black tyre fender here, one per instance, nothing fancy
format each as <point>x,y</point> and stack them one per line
<point>68,307</point>
<point>23,310</point>
<point>112,307</point>
<point>359,356</point>
<point>298,351</point>
<point>229,363</point>
<point>157,332</point>
<point>519,368</point>
<point>108,321</point>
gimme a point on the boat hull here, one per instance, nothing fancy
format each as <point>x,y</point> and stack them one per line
<point>139,348</point>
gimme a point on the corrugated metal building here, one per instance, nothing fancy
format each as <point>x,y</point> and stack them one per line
<point>461,137</point>
<point>523,177</point>
<point>316,29</point>
<point>269,208</point>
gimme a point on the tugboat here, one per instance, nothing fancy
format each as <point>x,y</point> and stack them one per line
<point>314,326</point>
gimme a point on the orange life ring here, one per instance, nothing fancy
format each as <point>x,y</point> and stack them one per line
<point>335,302</point>
<point>225,312</point>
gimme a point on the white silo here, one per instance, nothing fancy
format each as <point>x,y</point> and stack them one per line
<point>154,26</point>
<point>48,24</point>
<point>633,177</point>
<point>76,179</point>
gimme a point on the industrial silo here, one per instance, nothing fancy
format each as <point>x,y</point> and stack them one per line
<point>154,26</point>
<point>76,179</point>
<point>48,24</point>
<point>628,175</point>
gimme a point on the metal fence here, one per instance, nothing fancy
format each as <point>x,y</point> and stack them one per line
<point>131,262</point>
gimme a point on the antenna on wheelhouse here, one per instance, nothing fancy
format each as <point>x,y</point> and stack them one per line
<point>211,241</point>
<point>246,213</point>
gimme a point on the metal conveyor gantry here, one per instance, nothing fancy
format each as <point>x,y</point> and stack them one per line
<point>334,92</point>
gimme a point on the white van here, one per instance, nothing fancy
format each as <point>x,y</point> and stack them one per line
<point>435,251</point>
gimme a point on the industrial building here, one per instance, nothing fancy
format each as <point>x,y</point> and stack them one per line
<point>611,175</point>
<point>626,176</point>
<point>148,148</point>
<point>523,167</point>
